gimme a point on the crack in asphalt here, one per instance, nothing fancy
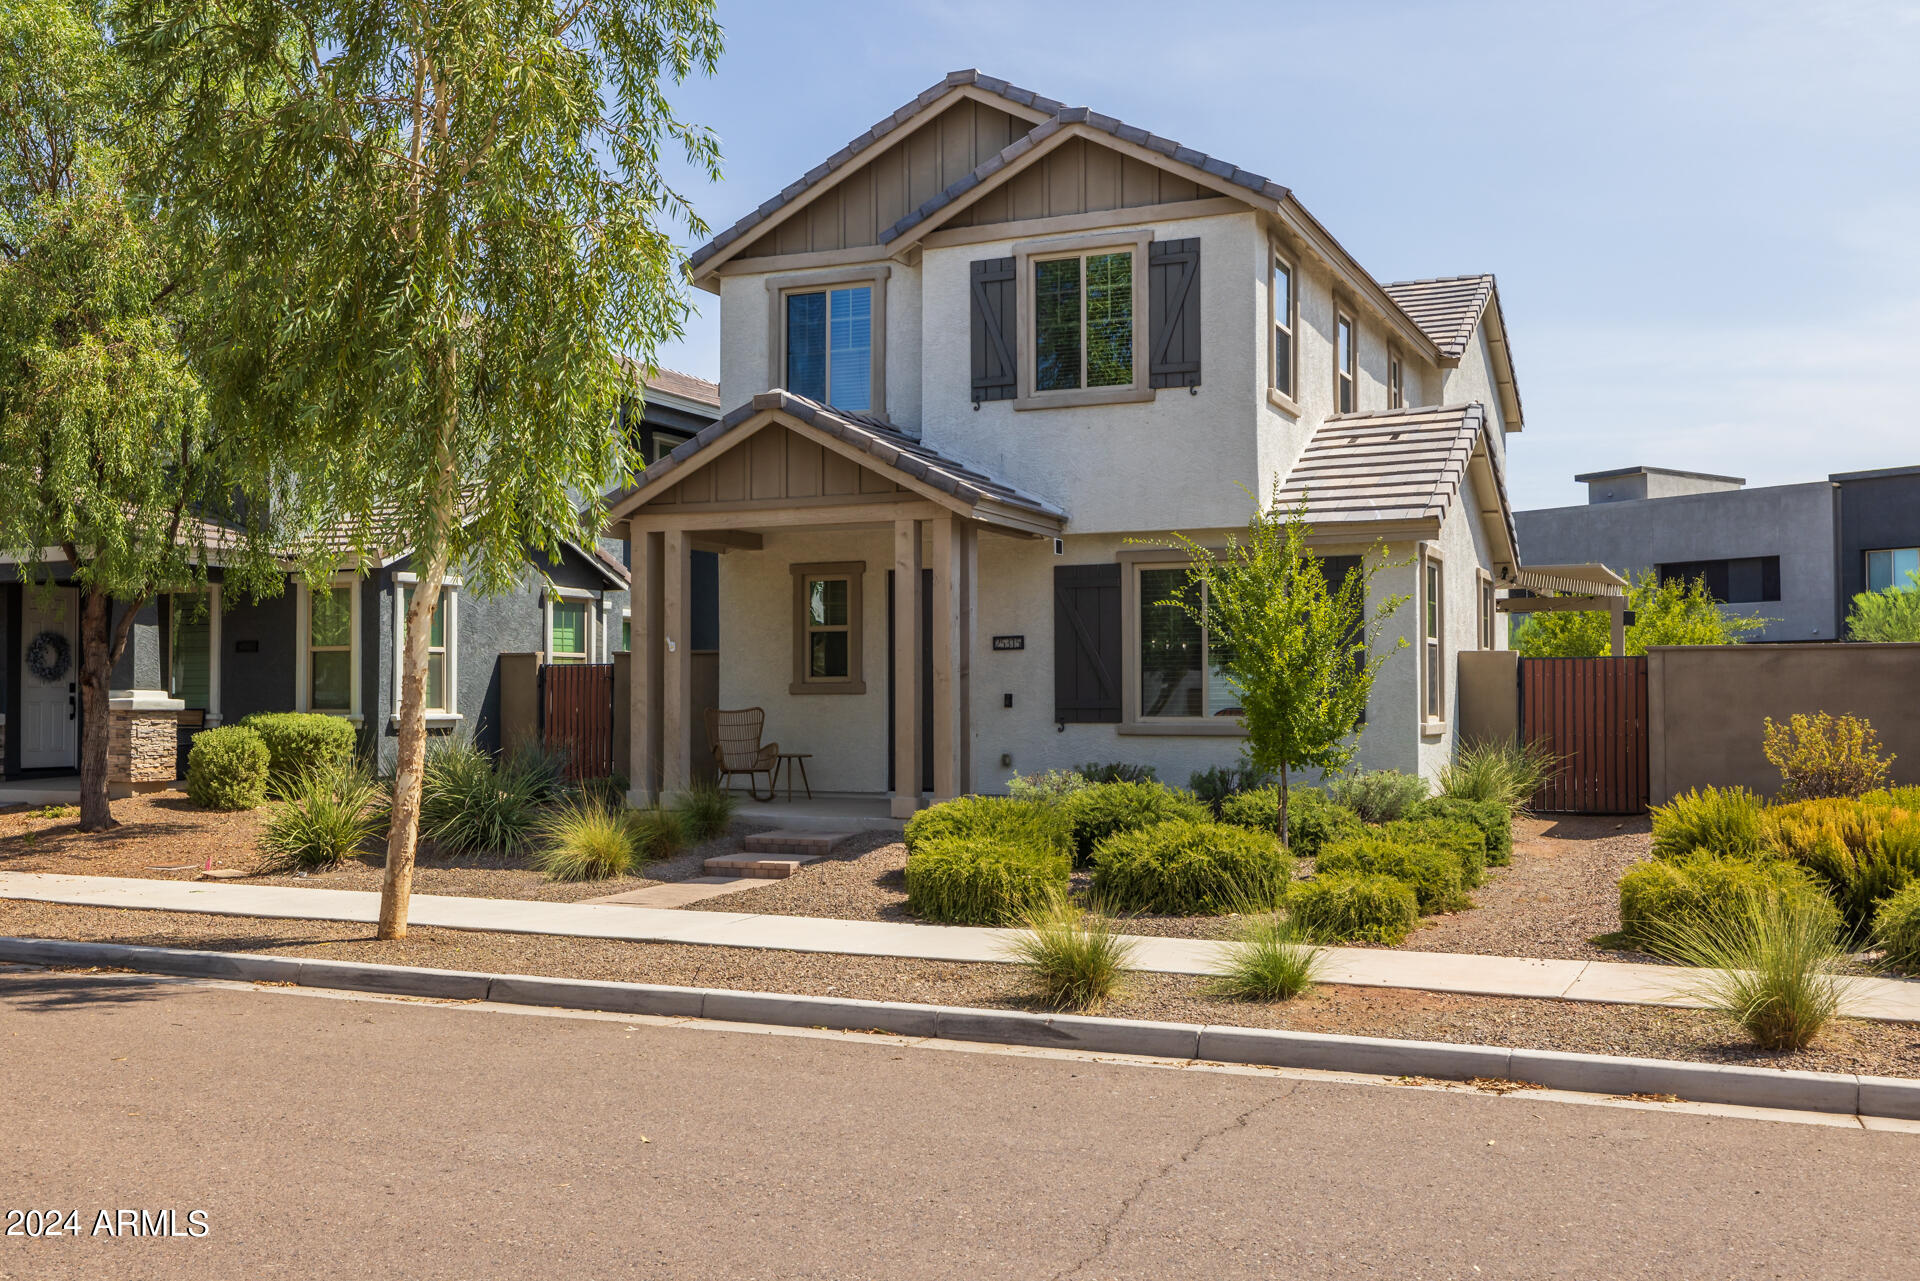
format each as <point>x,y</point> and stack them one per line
<point>1127,1203</point>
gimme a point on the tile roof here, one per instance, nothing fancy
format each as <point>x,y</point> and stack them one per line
<point>1402,464</point>
<point>1447,309</point>
<point>890,448</point>
<point>686,386</point>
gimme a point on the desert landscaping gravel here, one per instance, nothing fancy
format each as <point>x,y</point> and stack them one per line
<point>1643,1031</point>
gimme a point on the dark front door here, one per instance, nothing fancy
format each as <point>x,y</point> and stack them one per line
<point>926,681</point>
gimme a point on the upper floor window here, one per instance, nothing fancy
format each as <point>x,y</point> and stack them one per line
<point>1282,302</point>
<point>1396,382</point>
<point>1083,321</point>
<point>1343,355</point>
<point>1731,582</point>
<point>1891,568</point>
<point>829,346</point>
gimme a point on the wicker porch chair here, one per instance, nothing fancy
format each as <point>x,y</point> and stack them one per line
<point>737,748</point>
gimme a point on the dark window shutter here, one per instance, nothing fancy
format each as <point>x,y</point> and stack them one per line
<point>1086,643</point>
<point>1173,313</point>
<point>994,362</point>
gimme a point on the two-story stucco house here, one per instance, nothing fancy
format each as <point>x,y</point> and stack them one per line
<point>978,363</point>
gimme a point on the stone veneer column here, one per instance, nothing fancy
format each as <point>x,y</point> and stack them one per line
<point>143,737</point>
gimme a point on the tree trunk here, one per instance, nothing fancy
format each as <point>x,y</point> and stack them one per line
<point>403,831</point>
<point>96,672</point>
<point>1283,806</point>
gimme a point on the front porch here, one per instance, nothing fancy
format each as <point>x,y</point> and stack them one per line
<point>849,585</point>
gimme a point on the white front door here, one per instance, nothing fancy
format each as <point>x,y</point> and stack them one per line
<point>49,679</point>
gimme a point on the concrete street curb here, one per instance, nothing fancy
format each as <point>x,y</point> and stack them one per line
<point>1584,1073</point>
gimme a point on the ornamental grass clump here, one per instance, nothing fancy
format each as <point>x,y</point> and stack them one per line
<point>1269,959</point>
<point>982,880</point>
<point>1494,820</point>
<point>1821,755</point>
<point>1313,819</point>
<point>471,805</point>
<point>1773,968</point>
<point>1504,772</point>
<point>1725,820</point>
<point>1077,956</point>
<point>1703,888</point>
<point>705,811</point>
<point>227,769</point>
<point>1896,928</point>
<point>328,813</point>
<point>1379,795</point>
<point>1353,907</point>
<point>582,840</point>
<point>1432,873</point>
<point>1103,809</point>
<point>657,832</point>
<point>1187,868</point>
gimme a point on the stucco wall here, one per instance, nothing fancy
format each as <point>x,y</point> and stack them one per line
<point>1471,381</point>
<point>1793,522</point>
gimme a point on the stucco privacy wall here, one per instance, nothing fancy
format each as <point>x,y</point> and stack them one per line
<point>1793,522</point>
<point>1707,707</point>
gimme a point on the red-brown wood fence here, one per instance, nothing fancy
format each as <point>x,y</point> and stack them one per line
<point>576,716</point>
<point>1591,713</point>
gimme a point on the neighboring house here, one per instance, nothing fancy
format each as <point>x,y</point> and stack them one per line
<point>1795,555</point>
<point>335,651</point>
<point>978,364</point>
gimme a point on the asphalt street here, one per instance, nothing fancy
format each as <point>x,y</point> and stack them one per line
<point>334,1137</point>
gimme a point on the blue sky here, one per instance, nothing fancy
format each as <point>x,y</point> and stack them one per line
<point>1705,218</point>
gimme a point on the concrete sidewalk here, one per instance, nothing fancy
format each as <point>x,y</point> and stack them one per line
<point>1892,1000</point>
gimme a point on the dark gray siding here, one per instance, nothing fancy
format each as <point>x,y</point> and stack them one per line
<point>260,680</point>
<point>1875,512</point>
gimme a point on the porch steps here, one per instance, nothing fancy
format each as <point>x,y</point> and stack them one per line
<point>788,840</point>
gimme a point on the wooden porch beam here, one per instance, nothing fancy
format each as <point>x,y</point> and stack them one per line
<point>704,522</point>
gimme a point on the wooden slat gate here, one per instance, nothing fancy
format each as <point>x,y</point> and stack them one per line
<point>576,716</point>
<point>1591,713</point>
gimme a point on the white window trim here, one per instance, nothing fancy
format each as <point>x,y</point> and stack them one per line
<point>1396,379</point>
<point>1277,397</point>
<point>449,592</point>
<point>1430,724</point>
<point>1487,630</point>
<point>817,282</point>
<point>213,653</point>
<point>626,620</point>
<point>1131,721</point>
<point>1351,370</point>
<point>546,618</point>
<point>1025,254</point>
<point>303,661</point>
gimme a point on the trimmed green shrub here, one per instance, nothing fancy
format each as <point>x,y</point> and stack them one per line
<point>1432,873</point>
<point>299,743</point>
<point>979,879</point>
<point>1048,785</point>
<point>1036,825</point>
<point>657,832</point>
<point>1100,811</point>
<point>1269,959</point>
<point>1213,785</point>
<point>1896,927</point>
<point>1465,842</point>
<point>1117,772</point>
<point>705,811</point>
<point>1862,852</point>
<point>1186,868</point>
<point>328,815</point>
<point>227,769</point>
<point>1493,819</point>
<point>1352,907</point>
<point>1078,957</point>
<point>582,840</point>
<point>1725,820</point>
<point>1312,819</point>
<point>1379,795</point>
<point>1659,897</point>
<point>469,804</point>
<point>1504,773</point>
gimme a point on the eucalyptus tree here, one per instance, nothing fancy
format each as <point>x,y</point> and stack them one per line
<point>442,223</point>
<point>1300,652</point>
<point>109,463</point>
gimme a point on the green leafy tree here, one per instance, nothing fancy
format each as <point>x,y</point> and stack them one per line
<point>1892,614</point>
<point>1670,613</point>
<point>110,465</point>
<point>446,222</point>
<point>1301,653</point>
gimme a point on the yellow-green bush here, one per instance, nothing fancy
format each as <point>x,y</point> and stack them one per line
<point>227,769</point>
<point>1431,872</point>
<point>1099,811</point>
<point>1312,818</point>
<point>300,743</point>
<point>1458,837</point>
<point>1353,907</point>
<point>1823,755</point>
<point>1725,820</point>
<point>1861,851</point>
<point>982,880</point>
<point>1041,825</point>
<point>1660,898</point>
<point>1493,819</point>
<point>1896,927</point>
<point>1184,867</point>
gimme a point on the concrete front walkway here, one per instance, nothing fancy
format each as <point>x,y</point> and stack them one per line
<point>1894,1000</point>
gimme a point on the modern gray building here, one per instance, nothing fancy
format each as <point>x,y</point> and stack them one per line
<point>1794,555</point>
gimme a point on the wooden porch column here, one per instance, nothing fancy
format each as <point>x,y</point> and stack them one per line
<point>948,655</point>
<point>907,707</point>
<point>969,610</point>
<point>644,670</point>
<point>676,664</point>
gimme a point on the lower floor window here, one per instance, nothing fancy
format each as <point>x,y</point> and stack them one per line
<point>1893,568</point>
<point>330,651</point>
<point>567,638</point>
<point>1182,668</point>
<point>436,651</point>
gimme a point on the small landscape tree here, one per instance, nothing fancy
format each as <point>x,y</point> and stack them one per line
<point>1298,650</point>
<point>1669,613</point>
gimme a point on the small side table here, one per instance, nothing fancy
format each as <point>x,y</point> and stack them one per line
<point>788,760</point>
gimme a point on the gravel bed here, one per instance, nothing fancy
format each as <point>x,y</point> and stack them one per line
<point>1644,1031</point>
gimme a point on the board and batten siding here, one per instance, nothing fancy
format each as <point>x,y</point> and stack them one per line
<point>775,464</point>
<point>1075,178</point>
